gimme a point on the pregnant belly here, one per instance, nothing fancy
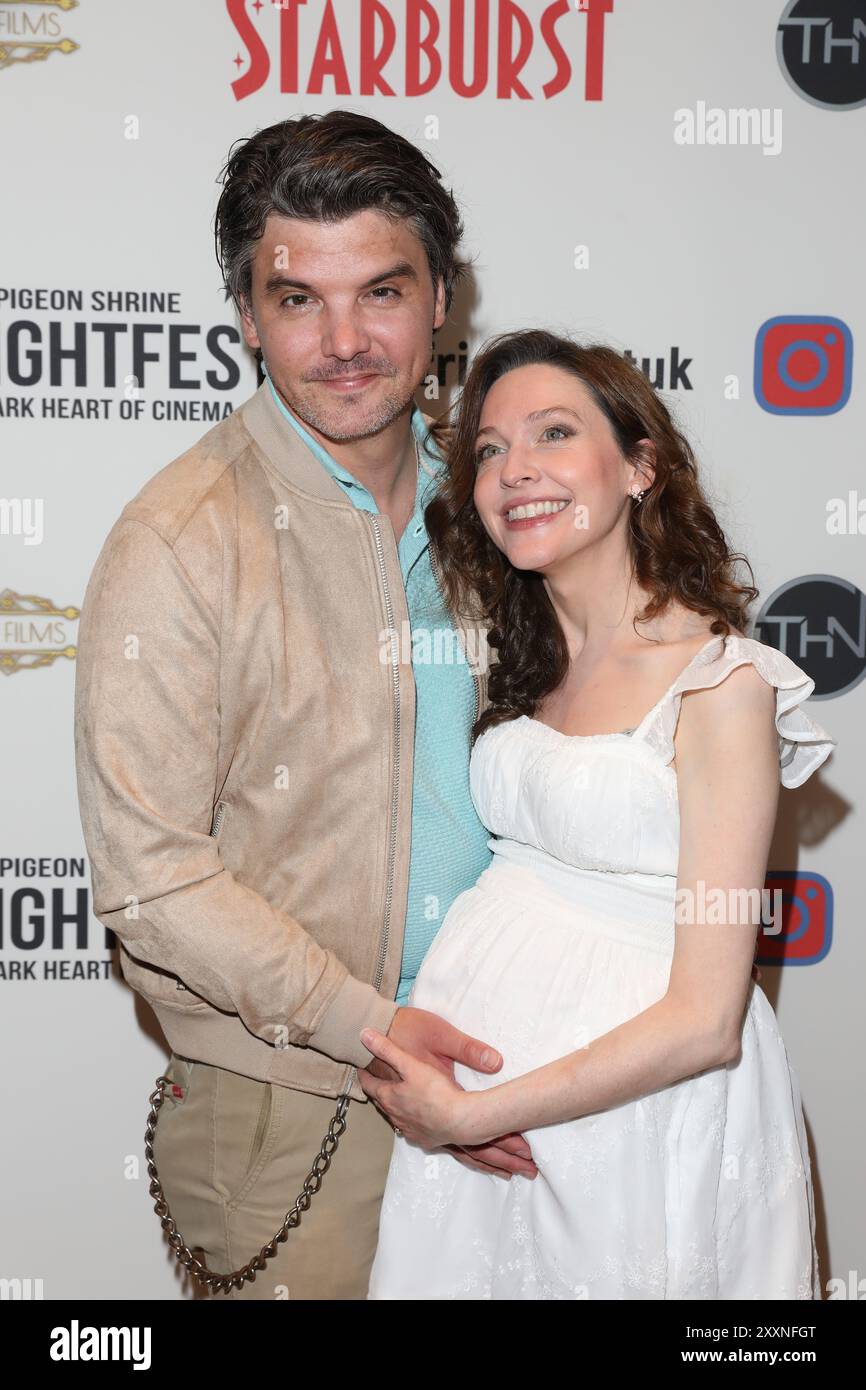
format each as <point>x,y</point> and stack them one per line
<point>535,979</point>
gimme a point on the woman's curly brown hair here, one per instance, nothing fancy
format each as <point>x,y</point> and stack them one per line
<point>679,551</point>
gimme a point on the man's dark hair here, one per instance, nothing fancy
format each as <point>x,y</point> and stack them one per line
<point>323,169</point>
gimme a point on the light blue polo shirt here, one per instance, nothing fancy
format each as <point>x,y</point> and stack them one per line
<point>449,842</point>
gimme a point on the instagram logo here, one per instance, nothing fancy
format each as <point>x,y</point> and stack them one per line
<point>807,921</point>
<point>803,365</point>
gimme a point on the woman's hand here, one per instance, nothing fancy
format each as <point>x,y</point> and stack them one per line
<point>427,1107</point>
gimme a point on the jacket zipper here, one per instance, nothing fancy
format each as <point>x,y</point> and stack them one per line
<point>395,691</point>
<point>437,574</point>
<point>392,839</point>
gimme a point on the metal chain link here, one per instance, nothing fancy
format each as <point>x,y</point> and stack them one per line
<point>223,1283</point>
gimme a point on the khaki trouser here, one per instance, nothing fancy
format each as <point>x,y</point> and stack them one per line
<point>232,1155</point>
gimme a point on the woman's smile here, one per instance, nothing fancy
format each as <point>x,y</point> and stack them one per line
<point>521,515</point>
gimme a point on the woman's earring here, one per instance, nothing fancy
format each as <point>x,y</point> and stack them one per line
<point>636,493</point>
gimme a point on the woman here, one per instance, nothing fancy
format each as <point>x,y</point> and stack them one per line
<point>607,950</point>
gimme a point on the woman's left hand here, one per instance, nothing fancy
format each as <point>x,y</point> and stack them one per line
<point>427,1107</point>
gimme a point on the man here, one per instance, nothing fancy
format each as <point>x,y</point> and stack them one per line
<point>275,803</point>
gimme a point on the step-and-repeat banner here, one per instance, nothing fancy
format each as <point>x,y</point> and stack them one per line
<point>679,178</point>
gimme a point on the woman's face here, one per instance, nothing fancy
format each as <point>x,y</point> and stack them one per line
<point>550,479</point>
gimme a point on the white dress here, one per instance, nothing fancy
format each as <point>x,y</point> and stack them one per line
<point>702,1190</point>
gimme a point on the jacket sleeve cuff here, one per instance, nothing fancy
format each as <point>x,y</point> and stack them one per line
<point>356,1005</point>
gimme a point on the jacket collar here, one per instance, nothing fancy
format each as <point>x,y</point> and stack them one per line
<point>286,451</point>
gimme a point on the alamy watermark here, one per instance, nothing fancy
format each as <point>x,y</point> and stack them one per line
<point>729,906</point>
<point>439,646</point>
<point>738,126</point>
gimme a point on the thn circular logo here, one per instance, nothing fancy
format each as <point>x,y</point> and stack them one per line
<point>819,621</point>
<point>821,46</point>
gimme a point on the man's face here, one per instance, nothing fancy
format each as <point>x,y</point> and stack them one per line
<point>343,313</point>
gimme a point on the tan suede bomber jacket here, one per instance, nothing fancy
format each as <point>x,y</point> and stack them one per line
<point>244,746</point>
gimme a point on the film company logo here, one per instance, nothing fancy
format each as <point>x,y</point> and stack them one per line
<point>807,921</point>
<point>803,364</point>
<point>31,30</point>
<point>821,47</point>
<point>819,621</point>
<point>34,632</point>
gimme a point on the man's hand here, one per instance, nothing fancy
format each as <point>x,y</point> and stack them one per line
<point>438,1043</point>
<point>433,1040</point>
<point>510,1154</point>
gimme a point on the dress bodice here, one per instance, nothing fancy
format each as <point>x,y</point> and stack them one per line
<point>608,802</point>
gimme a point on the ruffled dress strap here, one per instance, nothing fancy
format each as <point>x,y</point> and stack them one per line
<point>803,744</point>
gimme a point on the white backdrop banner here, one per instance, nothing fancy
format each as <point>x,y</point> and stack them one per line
<point>678,178</point>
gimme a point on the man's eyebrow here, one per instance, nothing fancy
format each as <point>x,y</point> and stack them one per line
<point>539,415</point>
<point>403,270</point>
